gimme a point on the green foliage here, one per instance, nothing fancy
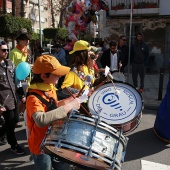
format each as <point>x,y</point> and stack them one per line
<point>10,25</point>
<point>50,33</point>
<point>35,36</point>
<point>55,33</point>
<point>62,33</point>
<point>88,37</point>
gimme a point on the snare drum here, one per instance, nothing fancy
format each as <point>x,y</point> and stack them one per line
<point>86,142</point>
<point>120,107</point>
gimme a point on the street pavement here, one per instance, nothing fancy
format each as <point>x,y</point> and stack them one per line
<point>135,150</point>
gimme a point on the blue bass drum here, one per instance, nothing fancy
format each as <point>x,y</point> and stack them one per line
<point>118,104</point>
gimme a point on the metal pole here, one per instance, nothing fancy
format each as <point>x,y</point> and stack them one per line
<point>40,22</point>
<point>130,34</point>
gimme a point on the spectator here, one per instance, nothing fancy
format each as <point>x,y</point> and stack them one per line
<point>124,51</point>
<point>8,99</point>
<point>60,54</point>
<point>103,45</point>
<point>139,59</point>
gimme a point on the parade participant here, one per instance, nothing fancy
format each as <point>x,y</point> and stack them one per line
<point>111,58</point>
<point>21,54</point>
<point>47,70</point>
<point>96,51</point>
<point>81,65</point>
<point>139,60</point>
<point>8,99</point>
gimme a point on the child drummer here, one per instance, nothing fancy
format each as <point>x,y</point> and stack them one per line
<point>47,70</point>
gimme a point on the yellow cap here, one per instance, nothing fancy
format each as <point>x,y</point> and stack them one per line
<point>80,45</point>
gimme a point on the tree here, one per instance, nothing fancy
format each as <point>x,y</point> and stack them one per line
<point>55,33</point>
<point>10,25</point>
<point>58,8</point>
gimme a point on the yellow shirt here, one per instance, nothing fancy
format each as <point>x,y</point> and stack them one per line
<point>16,56</point>
<point>73,81</point>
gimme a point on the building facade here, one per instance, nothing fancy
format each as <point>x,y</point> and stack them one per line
<point>30,9</point>
<point>151,17</point>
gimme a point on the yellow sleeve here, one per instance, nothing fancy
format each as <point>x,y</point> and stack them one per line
<point>12,57</point>
<point>69,80</point>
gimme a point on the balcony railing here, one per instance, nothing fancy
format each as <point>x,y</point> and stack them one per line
<point>138,4</point>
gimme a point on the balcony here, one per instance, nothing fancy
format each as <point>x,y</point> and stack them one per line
<point>140,7</point>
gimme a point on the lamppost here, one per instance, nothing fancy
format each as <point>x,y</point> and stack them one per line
<point>40,22</point>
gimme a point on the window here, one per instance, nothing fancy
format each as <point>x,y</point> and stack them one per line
<point>136,27</point>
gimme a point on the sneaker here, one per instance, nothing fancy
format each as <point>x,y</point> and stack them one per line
<point>18,150</point>
<point>137,88</point>
<point>140,90</point>
<point>3,140</point>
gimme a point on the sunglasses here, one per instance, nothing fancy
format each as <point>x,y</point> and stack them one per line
<point>124,39</point>
<point>4,50</point>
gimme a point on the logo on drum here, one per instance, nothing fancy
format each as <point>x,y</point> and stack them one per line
<point>115,106</point>
<point>112,100</point>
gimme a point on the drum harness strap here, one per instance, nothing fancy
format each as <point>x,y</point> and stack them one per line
<point>51,105</point>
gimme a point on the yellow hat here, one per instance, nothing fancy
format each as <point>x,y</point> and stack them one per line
<point>80,45</point>
<point>49,64</point>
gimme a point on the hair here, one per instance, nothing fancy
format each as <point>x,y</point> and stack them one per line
<point>78,59</point>
<point>139,33</point>
<point>122,36</point>
<point>102,43</point>
<point>2,43</point>
<point>57,46</point>
<point>23,37</point>
<point>37,78</point>
<point>113,43</point>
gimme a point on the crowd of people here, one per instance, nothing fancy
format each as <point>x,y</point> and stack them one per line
<point>64,69</point>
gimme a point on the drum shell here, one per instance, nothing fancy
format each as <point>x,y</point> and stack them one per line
<point>75,143</point>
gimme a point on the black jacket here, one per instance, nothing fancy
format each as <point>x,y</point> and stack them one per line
<point>124,53</point>
<point>7,87</point>
<point>140,53</point>
<point>106,59</point>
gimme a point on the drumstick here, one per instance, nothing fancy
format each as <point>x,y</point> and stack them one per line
<point>119,68</point>
<point>104,81</point>
<point>88,113</point>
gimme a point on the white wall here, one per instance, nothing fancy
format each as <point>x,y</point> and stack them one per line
<point>164,7</point>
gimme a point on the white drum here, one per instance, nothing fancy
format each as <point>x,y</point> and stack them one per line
<point>121,108</point>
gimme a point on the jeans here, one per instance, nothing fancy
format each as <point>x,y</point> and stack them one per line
<point>11,118</point>
<point>45,162</point>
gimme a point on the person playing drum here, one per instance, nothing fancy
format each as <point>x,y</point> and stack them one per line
<point>47,70</point>
<point>81,67</point>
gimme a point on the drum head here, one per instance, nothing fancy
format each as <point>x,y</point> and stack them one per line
<point>116,106</point>
<point>118,76</point>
